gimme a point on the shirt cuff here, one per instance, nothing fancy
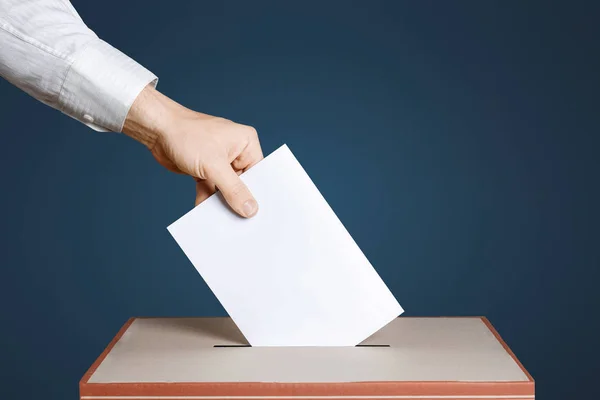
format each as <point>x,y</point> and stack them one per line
<point>101,85</point>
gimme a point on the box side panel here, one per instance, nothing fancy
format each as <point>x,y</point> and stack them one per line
<point>314,398</point>
<point>358,390</point>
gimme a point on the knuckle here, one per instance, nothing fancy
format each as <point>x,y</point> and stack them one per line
<point>252,132</point>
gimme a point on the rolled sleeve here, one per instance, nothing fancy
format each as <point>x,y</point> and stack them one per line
<point>101,85</point>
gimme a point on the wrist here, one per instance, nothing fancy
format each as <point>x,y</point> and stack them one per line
<point>151,117</point>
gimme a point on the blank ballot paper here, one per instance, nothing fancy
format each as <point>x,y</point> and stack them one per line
<point>291,275</point>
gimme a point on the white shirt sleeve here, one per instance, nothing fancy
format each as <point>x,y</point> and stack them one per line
<point>47,51</point>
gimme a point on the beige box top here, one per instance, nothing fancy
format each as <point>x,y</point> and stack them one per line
<point>172,350</point>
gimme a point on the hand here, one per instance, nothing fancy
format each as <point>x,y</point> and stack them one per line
<point>213,150</point>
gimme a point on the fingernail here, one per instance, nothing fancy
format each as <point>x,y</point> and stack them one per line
<point>250,208</point>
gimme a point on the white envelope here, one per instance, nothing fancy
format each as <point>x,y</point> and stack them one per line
<point>292,275</point>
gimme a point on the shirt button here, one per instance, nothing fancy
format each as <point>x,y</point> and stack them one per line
<point>88,118</point>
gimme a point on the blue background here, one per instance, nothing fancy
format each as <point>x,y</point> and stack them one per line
<point>457,141</point>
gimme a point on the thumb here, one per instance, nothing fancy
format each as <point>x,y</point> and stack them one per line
<point>233,189</point>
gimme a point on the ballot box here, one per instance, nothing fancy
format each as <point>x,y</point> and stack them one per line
<point>208,358</point>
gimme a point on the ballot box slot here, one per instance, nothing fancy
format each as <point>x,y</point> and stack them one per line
<point>247,345</point>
